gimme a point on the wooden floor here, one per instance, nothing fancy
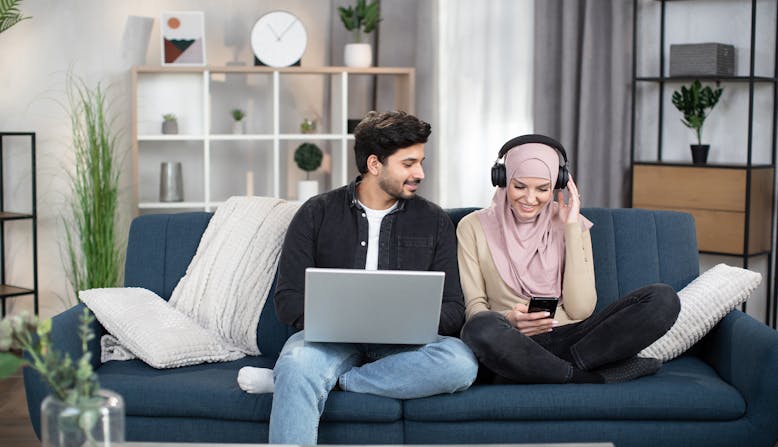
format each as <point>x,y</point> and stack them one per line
<point>15,427</point>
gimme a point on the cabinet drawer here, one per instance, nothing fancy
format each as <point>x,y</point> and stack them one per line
<point>717,231</point>
<point>689,187</point>
<point>716,198</point>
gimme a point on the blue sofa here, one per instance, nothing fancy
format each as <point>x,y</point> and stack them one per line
<point>723,392</point>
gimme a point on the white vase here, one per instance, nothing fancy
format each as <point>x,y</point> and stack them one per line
<point>358,55</point>
<point>307,189</point>
<point>237,127</point>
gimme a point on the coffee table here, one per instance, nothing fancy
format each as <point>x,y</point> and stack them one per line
<point>176,444</point>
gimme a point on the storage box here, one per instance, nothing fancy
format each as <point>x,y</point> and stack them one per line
<point>702,59</point>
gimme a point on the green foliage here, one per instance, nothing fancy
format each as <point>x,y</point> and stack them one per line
<point>362,18</point>
<point>169,117</point>
<point>94,255</point>
<point>10,14</point>
<point>308,157</point>
<point>693,102</point>
<point>237,114</point>
<point>70,381</point>
<point>307,126</point>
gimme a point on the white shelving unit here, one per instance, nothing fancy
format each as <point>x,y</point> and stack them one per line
<point>280,95</point>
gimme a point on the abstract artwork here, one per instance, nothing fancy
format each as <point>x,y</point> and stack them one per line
<point>183,38</point>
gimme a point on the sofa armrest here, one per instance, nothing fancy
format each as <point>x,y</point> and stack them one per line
<point>64,338</point>
<point>744,352</point>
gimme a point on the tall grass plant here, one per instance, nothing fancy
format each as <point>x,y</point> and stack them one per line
<point>94,255</point>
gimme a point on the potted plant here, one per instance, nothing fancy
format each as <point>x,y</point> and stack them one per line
<point>308,125</point>
<point>308,157</point>
<point>77,412</point>
<point>237,124</point>
<point>169,124</point>
<point>94,249</point>
<point>359,19</point>
<point>693,102</point>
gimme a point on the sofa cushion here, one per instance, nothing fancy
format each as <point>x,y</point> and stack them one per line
<point>151,329</point>
<point>685,389</point>
<point>704,302</point>
<point>211,391</point>
<point>626,246</point>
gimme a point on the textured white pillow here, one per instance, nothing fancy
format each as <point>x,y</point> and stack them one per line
<point>704,302</point>
<point>151,329</point>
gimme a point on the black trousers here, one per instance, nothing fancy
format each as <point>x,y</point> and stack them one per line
<point>617,333</point>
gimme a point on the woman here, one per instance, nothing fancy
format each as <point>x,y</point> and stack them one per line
<point>527,245</point>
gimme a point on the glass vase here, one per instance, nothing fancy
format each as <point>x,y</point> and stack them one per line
<point>96,421</point>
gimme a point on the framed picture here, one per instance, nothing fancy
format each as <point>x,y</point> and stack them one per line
<point>183,38</point>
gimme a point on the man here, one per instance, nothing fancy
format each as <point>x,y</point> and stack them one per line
<point>376,222</point>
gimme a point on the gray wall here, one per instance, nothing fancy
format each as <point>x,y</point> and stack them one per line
<point>91,39</point>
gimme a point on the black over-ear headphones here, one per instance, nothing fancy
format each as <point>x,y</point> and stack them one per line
<point>498,170</point>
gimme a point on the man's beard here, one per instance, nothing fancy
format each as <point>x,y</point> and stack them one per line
<point>396,192</point>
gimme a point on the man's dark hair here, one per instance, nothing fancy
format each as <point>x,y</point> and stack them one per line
<point>383,134</point>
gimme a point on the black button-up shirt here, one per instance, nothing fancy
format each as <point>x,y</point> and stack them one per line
<point>331,231</point>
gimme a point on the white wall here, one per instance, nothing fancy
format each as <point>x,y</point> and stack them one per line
<point>89,38</point>
<point>726,127</point>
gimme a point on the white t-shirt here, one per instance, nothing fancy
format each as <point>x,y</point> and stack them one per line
<point>374,218</point>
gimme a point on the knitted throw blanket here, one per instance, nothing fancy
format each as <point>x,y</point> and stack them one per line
<point>225,286</point>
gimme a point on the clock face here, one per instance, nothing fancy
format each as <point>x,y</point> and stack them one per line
<point>278,39</point>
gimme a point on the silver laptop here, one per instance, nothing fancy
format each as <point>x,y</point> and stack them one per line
<point>372,306</point>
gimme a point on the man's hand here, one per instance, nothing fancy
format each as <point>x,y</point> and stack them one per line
<point>530,324</point>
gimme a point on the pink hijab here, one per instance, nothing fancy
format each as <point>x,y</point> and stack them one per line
<point>529,255</point>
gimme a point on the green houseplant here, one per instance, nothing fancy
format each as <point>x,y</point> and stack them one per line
<point>360,19</point>
<point>237,120</point>
<point>10,14</point>
<point>77,412</point>
<point>696,102</point>
<point>169,124</point>
<point>94,254</point>
<point>308,157</point>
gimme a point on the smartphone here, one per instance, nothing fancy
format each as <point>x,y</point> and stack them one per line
<point>544,304</point>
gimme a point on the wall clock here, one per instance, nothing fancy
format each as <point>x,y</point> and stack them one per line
<point>279,39</point>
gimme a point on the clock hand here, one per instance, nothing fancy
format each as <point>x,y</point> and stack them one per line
<point>287,29</point>
<point>278,38</point>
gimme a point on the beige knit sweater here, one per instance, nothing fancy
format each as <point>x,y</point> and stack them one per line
<point>485,289</point>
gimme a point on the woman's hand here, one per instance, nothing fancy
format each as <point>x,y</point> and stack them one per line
<point>530,324</point>
<point>569,211</point>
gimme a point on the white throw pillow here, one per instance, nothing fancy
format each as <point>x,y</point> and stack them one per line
<point>153,330</point>
<point>704,302</point>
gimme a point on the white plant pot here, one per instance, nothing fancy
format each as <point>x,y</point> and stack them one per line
<point>358,55</point>
<point>237,127</point>
<point>307,189</point>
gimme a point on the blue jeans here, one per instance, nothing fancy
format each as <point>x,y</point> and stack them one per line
<point>306,372</point>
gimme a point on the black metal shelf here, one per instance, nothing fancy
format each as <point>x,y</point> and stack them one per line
<point>744,79</point>
<point>6,290</point>
<point>751,81</point>
<point>14,216</point>
<point>711,165</point>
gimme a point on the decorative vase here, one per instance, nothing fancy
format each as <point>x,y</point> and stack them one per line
<point>237,127</point>
<point>96,421</point>
<point>171,182</point>
<point>358,55</point>
<point>700,153</point>
<point>170,127</point>
<point>307,189</point>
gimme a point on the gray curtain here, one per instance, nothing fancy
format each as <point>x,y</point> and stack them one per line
<point>582,75</point>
